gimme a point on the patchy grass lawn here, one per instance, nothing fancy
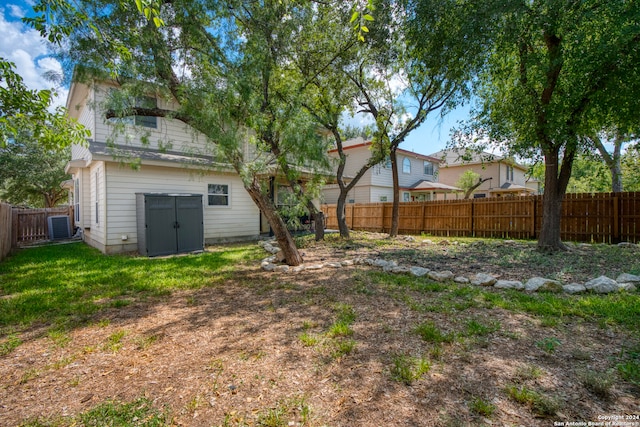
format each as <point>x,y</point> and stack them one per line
<point>211,340</point>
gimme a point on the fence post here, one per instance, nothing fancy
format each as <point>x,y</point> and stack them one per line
<point>14,227</point>
<point>472,219</point>
<point>532,233</point>
<point>616,219</point>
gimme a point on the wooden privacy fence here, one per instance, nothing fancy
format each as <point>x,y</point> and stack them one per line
<point>601,217</point>
<point>31,225</point>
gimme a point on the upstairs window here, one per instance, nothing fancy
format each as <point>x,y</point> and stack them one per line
<point>428,168</point>
<point>406,165</point>
<point>138,102</point>
<point>509,176</point>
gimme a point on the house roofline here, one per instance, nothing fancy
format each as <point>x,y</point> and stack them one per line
<point>398,150</point>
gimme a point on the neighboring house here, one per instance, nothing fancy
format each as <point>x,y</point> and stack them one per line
<point>417,173</point>
<point>170,158</point>
<point>504,176</point>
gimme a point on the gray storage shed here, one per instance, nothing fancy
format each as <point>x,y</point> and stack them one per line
<point>169,223</point>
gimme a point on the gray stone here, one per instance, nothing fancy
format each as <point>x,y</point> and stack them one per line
<point>440,276</point>
<point>267,266</point>
<point>483,279</point>
<point>508,284</point>
<point>370,261</point>
<point>602,285</point>
<point>271,249</point>
<point>584,246</point>
<point>461,279</point>
<point>333,265</point>
<point>629,287</point>
<point>389,266</point>
<point>626,245</point>
<point>574,288</point>
<point>427,242</point>
<point>314,267</point>
<point>271,258</point>
<point>628,278</point>
<point>419,271</point>
<point>384,263</point>
<point>400,269</point>
<point>297,268</point>
<point>542,284</point>
<point>409,239</point>
<point>347,263</point>
<point>281,269</point>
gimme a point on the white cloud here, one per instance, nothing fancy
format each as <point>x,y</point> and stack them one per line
<point>28,50</point>
<point>16,11</point>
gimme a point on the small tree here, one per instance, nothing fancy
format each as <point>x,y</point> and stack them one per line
<point>469,181</point>
<point>32,175</point>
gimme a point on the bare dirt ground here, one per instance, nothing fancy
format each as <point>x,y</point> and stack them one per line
<point>232,354</point>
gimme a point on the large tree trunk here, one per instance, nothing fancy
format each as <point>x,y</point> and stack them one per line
<point>283,236</point>
<point>395,211</point>
<point>555,185</point>
<point>341,215</point>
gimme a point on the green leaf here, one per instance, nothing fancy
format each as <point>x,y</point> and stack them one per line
<point>139,5</point>
<point>147,13</point>
<point>365,29</point>
<point>354,17</point>
<point>368,17</point>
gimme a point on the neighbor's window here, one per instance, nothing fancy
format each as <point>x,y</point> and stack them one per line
<point>428,168</point>
<point>406,165</point>
<point>383,198</point>
<point>509,173</point>
<point>406,197</point>
<point>218,194</point>
<point>387,162</point>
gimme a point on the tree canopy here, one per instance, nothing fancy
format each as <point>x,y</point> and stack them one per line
<point>559,70</point>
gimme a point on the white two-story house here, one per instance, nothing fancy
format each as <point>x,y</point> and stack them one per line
<point>169,160</point>
<point>417,176</point>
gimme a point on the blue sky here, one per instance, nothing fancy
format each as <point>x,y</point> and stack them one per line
<point>23,46</point>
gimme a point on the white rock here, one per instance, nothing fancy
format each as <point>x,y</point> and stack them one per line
<point>602,285</point>
<point>461,279</point>
<point>282,269</point>
<point>440,276</point>
<point>508,284</point>
<point>483,279</point>
<point>314,267</point>
<point>626,245</point>
<point>427,242</point>
<point>400,269</point>
<point>267,266</point>
<point>542,284</point>
<point>419,271</point>
<point>298,268</point>
<point>629,287</point>
<point>628,278</point>
<point>269,259</point>
<point>347,263</point>
<point>370,261</point>
<point>333,265</point>
<point>574,288</point>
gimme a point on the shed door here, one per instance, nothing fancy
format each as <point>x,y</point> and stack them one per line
<point>161,225</point>
<point>189,220</point>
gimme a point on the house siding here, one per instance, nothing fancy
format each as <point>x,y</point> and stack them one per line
<point>239,219</point>
<point>94,231</point>
<point>170,134</point>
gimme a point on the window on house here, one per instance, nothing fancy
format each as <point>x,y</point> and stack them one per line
<point>509,173</point>
<point>383,198</point>
<point>406,197</point>
<point>96,190</point>
<point>76,200</point>
<point>218,194</point>
<point>428,168</point>
<point>406,165</point>
<point>387,162</point>
<point>479,196</point>
<point>145,121</point>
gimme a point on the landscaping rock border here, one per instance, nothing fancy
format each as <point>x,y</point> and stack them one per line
<point>601,285</point>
